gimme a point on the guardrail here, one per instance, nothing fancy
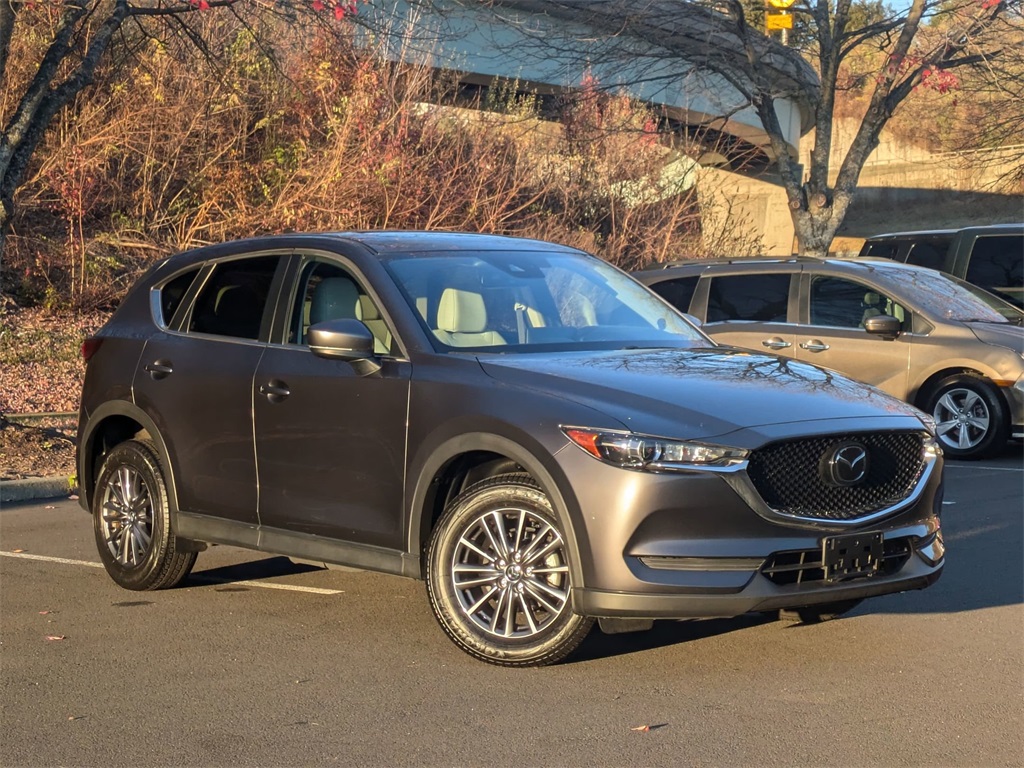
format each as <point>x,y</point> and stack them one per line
<point>28,418</point>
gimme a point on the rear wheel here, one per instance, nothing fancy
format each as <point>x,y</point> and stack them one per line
<point>971,419</point>
<point>131,521</point>
<point>498,575</point>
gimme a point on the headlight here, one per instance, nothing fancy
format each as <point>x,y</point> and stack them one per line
<point>652,454</point>
<point>928,421</point>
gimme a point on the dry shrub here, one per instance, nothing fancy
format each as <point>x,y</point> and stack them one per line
<point>172,150</point>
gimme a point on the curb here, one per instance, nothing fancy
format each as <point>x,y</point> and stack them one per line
<point>35,488</point>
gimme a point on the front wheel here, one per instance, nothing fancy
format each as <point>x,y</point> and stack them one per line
<point>971,419</point>
<point>131,521</point>
<point>498,575</point>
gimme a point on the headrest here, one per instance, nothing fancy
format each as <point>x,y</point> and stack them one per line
<point>461,312</point>
<point>871,298</point>
<point>334,299</point>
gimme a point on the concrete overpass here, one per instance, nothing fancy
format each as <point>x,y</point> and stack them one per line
<point>658,51</point>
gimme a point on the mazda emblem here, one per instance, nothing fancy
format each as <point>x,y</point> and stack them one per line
<point>848,464</point>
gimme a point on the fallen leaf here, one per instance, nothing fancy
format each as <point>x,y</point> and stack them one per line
<point>76,717</point>
<point>43,613</point>
<point>49,506</point>
<point>73,497</point>
<point>16,551</point>
<point>642,728</point>
<point>56,637</point>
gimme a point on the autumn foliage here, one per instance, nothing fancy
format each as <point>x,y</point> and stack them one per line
<point>173,149</point>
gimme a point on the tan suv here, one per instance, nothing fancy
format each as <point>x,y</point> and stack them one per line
<point>943,345</point>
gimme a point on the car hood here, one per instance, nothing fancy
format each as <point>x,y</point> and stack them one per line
<point>698,393</point>
<point>1000,334</point>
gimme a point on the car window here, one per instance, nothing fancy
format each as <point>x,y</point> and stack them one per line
<point>677,292</point>
<point>234,297</point>
<point>929,253</point>
<point>503,300</point>
<point>997,264</point>
<point>839,303</point>
<point>173,292</point>
<point>326,291</point>
<point>752,298</point>
<point>885,249</point>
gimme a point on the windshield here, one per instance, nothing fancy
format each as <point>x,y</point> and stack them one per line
<point>945,296</point>
<point>526,299</point>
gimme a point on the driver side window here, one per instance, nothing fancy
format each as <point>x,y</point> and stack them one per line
<point>838,303</point>
<point>326,291</point>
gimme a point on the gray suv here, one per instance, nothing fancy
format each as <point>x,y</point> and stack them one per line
<point>536,435</point>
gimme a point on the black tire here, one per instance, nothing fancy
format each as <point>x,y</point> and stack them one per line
<point>971,416</point>
<point>815,614</point>
<point>131,521</point>
<point>541,627</point>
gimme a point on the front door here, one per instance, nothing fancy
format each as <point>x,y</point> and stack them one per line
<point>835,337</point>
<point>331,439</point>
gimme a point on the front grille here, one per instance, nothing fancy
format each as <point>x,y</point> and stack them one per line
<point>789,475</point>
<point>802,566</point>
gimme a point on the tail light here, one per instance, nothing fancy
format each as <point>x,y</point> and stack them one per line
<point>90,346</point>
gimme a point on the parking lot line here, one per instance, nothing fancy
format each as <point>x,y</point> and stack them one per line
<point>194,577</point>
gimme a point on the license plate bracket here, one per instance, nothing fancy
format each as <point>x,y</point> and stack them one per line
<point>851,556</point>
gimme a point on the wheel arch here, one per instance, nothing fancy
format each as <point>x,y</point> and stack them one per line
<point>928,386</point>
<point>109,425</point>
<point>465,459</point>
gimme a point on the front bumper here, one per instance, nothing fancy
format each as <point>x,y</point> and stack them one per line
<point>697,544</point>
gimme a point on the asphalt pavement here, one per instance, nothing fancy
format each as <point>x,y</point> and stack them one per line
<point>257,661</point>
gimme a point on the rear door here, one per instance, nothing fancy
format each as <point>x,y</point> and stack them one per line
<point>195,381</point>
<point>831,333</point>
<point>750,310</point>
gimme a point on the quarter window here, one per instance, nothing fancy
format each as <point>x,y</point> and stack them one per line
<point>173,292</point>
<point>234,298</point>
<point>752,298</point>
<point>929,253</point>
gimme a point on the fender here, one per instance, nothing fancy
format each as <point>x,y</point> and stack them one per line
<point>552,481</point>
<point>130,410</point>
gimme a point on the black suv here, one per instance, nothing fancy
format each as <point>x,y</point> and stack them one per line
<point>531,431</point>
<point>991,257</point>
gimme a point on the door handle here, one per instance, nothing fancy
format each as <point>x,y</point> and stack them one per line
<point>814,345</point>
<point>275,391</point>
<point>775,343</point>
<point>159,369</point>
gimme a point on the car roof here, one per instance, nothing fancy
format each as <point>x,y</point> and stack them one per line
<point>848,264</point>
<point>1009,227</point>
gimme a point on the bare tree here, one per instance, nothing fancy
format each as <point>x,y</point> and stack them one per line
<point>722,40</point>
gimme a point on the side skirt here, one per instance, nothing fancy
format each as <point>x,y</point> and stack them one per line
<point>299,545</point>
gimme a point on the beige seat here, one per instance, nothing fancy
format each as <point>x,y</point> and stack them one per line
<point>579,311</point>
<point>368,312</point>
<point>462,320</point>
<point>872,307</point>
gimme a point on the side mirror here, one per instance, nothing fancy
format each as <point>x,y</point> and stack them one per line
<point>346,339</point>
<point>886,326</point>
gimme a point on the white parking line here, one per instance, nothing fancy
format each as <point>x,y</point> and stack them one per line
<point>194,576</point>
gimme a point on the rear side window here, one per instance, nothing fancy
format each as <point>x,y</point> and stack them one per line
<point>678,292</point>
<point>882,250</point>
<point>234,297</point>
<point>752,298</point>
<point>997,264</point>
<point>173,292</point>
<point>930,253</point>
